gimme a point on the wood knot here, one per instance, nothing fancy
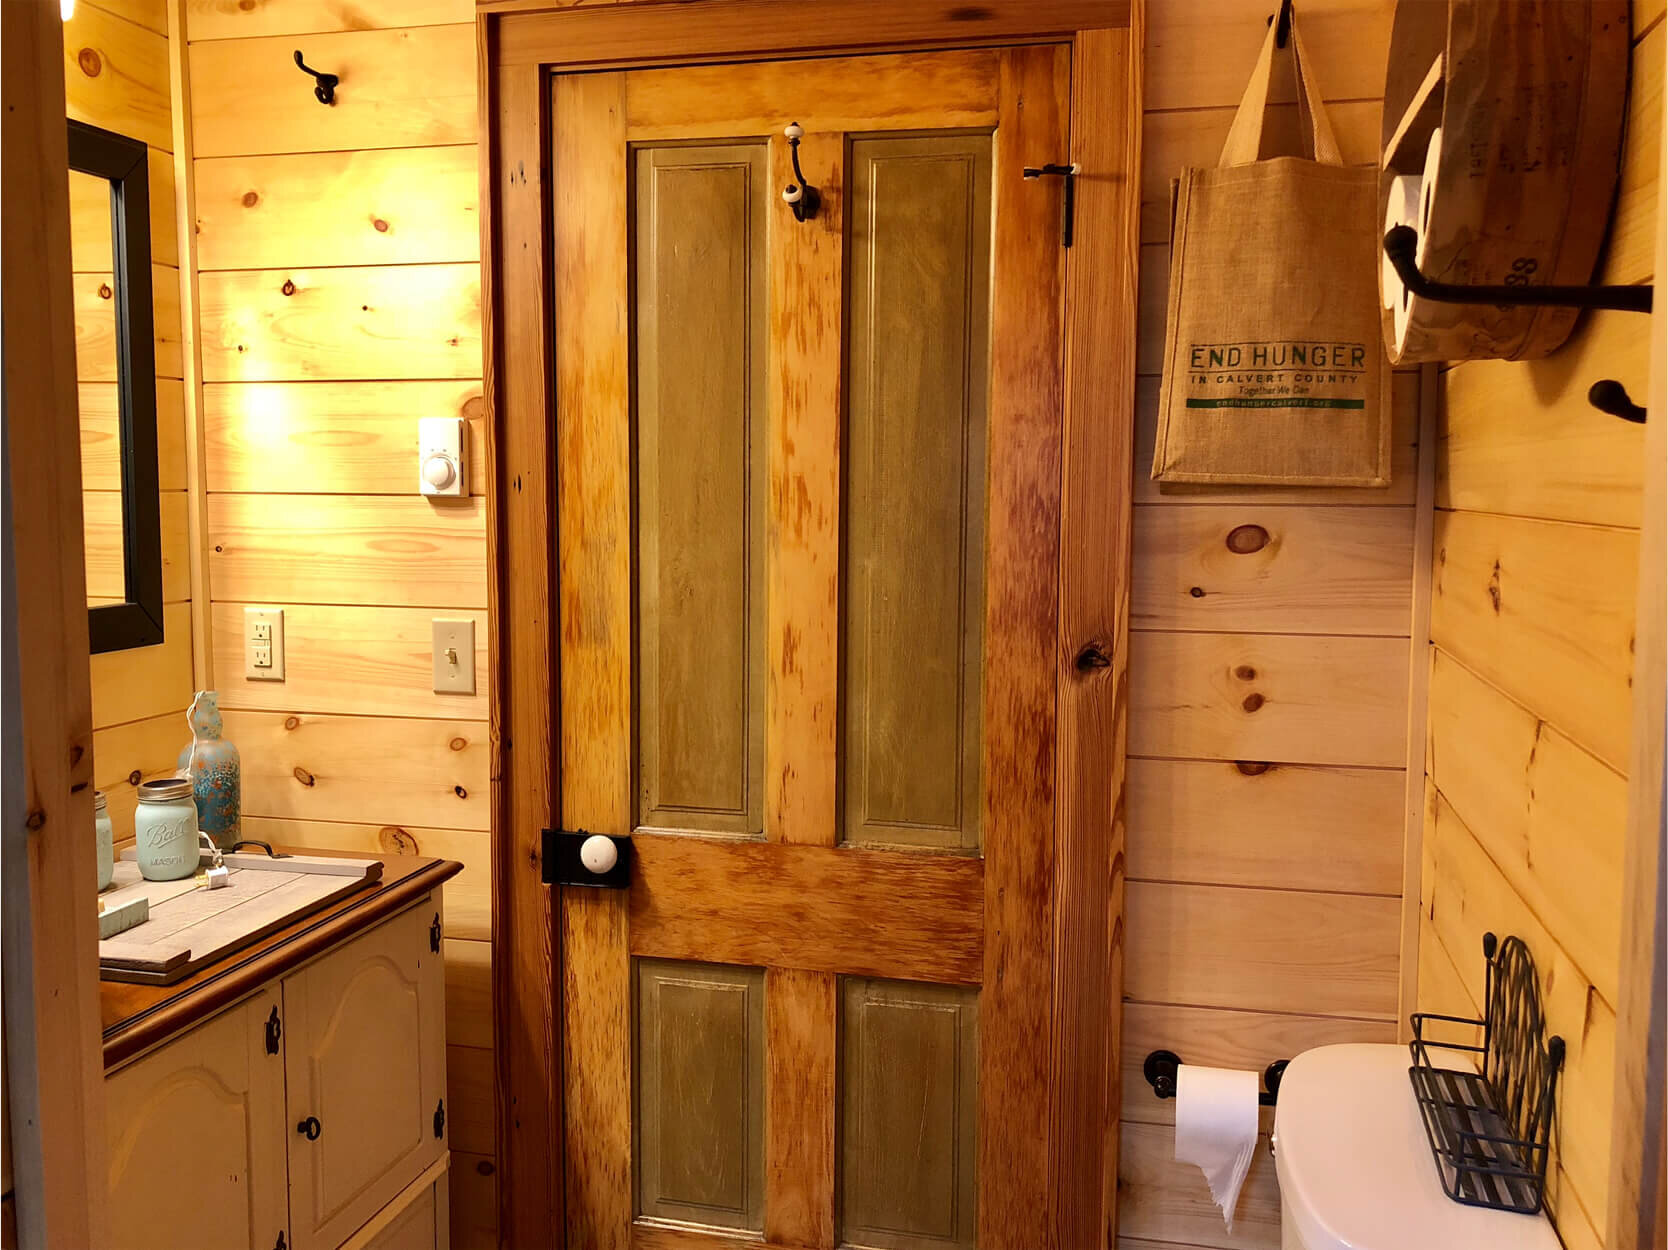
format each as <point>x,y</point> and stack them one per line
<point>304,777</point>
<point>969,13</point>
<point>1244,539</point>
<point>396,841</point>
<point>36,821</point>
<point>460,792</point>
<point>290,722</point>
<point>91,63</point>
<point>379,225</point>
<point>458,744</point>
<point>484,1167</point>
<point>1252,768</point>
<point>1494,586</point>
<point>104,291</point>
<point>1198,592</point>
<point>218,548</point>
<point>1245,673</point>
<point>248,6</point>
<point>1092,657</point>
<point>288,288</point>
<point>250,199</point>
<point>1253,701</point>
<point>135,777</point>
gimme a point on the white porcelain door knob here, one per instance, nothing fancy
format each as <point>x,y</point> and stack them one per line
<point>598,853</point>
<point>438,472</point>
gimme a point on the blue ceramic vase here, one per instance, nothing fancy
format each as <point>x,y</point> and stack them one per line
<point>215,771</point>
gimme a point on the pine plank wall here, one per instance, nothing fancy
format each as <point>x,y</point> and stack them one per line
<point>116,77</point>
<point>337,252</point>
<point>1537,540</point>
<point>337,270</point>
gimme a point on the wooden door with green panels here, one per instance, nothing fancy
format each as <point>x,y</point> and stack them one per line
<point>807,515</point>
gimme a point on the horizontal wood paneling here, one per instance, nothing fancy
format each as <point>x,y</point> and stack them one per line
<point>1161,1200</point>
<point>1470,895</point>
<point>1404,462</point>
<point>1223,1039</point>
<point>1193,138</point>
<point>1255,568</point>
<point>1200,53</point>
<point>101,448</point>
<point>471,1112</point>
<point>1519,437</point>
<point>145,681</point>
<point>116,76</point>
<point>355,768</point>
<point>101,516</point>
<point>1270,697</point>
<point>390,207</point>
<point>243,19</point>
<point>348,549</point>
<point>1550,815</point>
<point>468,895</point>
<point>1545,612</point>
<point>1262,950</point>
<point>468,992</point>
<point>1284,826</point>
<point>410,87</point>
<point>124,755</point>
<point>95,325</point>
<point>334,438</point>
<point>366,660</point>
<point>397,321</point>
<point>473,1195</point>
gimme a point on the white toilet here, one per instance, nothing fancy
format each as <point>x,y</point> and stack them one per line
<point>1356,1171</point>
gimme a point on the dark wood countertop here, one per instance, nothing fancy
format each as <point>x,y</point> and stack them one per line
<point>136,1017</point>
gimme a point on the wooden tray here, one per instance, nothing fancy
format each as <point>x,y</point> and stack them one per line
<point>190,926</point>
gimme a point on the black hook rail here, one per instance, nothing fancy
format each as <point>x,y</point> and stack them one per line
<point>1068,205</point>
<point>325,87</point>
<point>1401,245</point>
<point>1160,1066</point>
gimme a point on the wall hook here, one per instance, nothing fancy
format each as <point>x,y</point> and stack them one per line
<point>1609,395</point>
<point>1401,245</point>
<point>325,89</point>
<point>1284,30</point>
<point>799,195</point>
<point>1068,208</point>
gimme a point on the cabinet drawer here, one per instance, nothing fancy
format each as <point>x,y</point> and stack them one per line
<point>419,1227</point>
<point>365,1061</point>
<point>196,1138</point>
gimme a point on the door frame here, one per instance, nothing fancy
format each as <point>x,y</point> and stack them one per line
<point>520,44</point>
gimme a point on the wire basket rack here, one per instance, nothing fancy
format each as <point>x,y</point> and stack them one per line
<point>1487,1108</point>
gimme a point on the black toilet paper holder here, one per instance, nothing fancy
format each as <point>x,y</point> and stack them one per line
<point>1160,1066</point>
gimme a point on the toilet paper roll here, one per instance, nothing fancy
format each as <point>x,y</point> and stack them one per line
<point>1216,1128</point>
<point>1407,311</point>
<point>1428,182</point>
<point>1402,209</point>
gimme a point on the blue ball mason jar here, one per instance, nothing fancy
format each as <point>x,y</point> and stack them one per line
<point>165,829</point>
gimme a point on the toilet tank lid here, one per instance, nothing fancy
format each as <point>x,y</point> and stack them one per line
<point>1356,1171</point>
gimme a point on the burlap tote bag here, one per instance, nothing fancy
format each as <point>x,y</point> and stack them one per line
<point>1273,370</point>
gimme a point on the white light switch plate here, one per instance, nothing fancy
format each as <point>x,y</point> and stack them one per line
<point>454,657</point>
<point>263,644</point>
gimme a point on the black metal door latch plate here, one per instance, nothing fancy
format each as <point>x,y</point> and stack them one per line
<point>562,866</point>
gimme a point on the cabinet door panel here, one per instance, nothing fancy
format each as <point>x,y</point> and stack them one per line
<point>414,1228</point>
<point>196,1137</point>
<point>365,1057</point>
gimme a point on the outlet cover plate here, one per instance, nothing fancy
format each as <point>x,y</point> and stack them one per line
<point>263,638</point>
<point>454,639</point>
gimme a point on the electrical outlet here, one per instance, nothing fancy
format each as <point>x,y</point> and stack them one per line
<point>263,644</point>
<point>454,657</point>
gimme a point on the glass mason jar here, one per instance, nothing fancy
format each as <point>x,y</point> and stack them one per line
<point>165,828</point>
<point>105,840</point>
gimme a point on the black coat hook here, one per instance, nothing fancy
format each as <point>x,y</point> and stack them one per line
<point>1609,395</point>
<point>1401,245</point>
<point>325,90</point>
<point>1284,30</point>
<point>800,195</point>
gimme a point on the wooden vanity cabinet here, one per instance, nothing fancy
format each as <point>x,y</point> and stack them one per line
<point>308,1116</point>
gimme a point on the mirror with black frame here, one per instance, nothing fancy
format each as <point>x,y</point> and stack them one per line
<point>110,247</point>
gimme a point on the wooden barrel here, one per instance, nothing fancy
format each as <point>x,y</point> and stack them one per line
<point>1530,96</point>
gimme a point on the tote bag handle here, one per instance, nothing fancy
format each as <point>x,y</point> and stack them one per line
<point>1245,136</point>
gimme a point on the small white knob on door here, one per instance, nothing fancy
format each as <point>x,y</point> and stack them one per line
<point>598,854</point>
